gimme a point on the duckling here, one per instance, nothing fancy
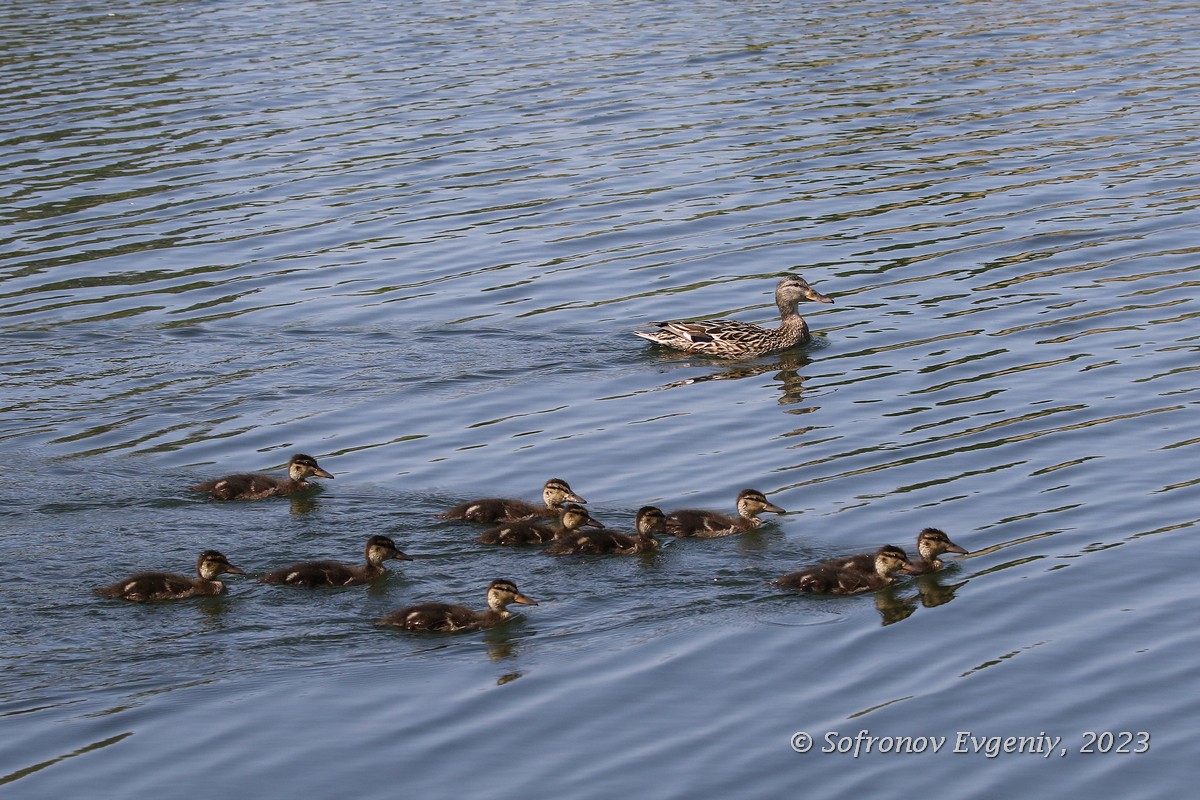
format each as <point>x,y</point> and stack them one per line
<point>711,524</point>
<point>523,532</point>
<point>168,586</point>
<point>931,543</point>
<point>314,574</point>
<point>555,493</point>
<point>835,577</point>
<point>255,486</point>
<point>448,617</point>
<point>731,338</point>
<point>649,521</point>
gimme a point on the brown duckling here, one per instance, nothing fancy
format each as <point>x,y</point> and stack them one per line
<point>315,574</point>
<point>835,577</point>
<point>711,524</point>
<point>168,586</point>
<point>526,532</point>
<point>255,485</point>
<point>931,543</point>
<point>731,338</point>
<point>448,617</point>
<point>555,493</point>
<point>649,521</point>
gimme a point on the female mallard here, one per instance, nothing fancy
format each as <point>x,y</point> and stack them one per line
<point>649,521</point>
<point>842,577</point>
<point>732,338</point>
<point>447,617</point>
<point>526,532</point>
<point>168,586</point>
<point>255,486</point>
<point>711,524</point>
<point>314,574</point>
<point>555,493</point>
<point>931,543</point>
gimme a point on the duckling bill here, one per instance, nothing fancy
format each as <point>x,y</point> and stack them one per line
<point>255,485</point>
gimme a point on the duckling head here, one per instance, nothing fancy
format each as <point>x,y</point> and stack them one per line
<point>211,563</point>
<point>650,521</point>
<point>381,548</point>
<point>751,503</point>
<point>890,559</point>
<point>932,542</point>
<point>574,517</point>
<point>503,592</point>
<point>556,492</point>
<point>301,466</point>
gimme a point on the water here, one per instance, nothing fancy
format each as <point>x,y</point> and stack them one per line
<point>412,239</point>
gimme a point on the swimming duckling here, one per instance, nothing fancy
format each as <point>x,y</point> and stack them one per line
<point>732,338</point>
<point>168,586</point>
<point>931,543</point>
<point>314,574</point>
<point>524,532</point>
<point>448,617</point>
<point>555,493</point>
<point>835,577</point>
<point>711,524</point>
<point>649,521</point>
<point>255,486</point>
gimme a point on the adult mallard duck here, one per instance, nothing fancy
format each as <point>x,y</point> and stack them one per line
<point>931,543</point>
<point>255,486</point>
<point>527,532</point>
<point>842,577</point>
<point>314,574</point>
<point>711,524</point>
<point>448,617</point>
<point>146,586</point>
<point>731,338</point>
<point>648,522</point>
<point>555,493</point>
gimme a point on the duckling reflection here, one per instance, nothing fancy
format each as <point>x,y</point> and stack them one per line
<point>893,607</point>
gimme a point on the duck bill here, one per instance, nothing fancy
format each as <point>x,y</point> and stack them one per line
<point>525,601</point>
<point>320,473</point>
<point>953,548</point>
<point>232,570</point>
<point>774,509</point>
<point>594,523</point>
<point>402,556</point>
<point>574,498</point>
<point>817,297</point>
<point>909,568</point>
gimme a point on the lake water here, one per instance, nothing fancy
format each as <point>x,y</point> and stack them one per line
<point>412,240</point>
